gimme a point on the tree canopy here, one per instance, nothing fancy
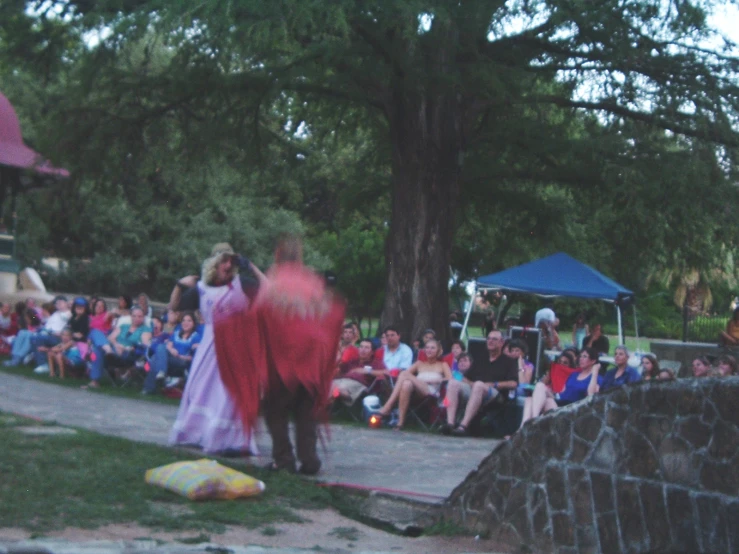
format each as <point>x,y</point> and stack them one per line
<point>475,134</point>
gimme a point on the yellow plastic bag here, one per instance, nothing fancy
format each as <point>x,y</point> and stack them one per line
<point>204,479</point>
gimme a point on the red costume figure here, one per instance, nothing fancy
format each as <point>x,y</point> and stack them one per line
<point>285,346</point>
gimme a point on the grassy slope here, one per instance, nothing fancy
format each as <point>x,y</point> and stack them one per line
<point>86,480</point>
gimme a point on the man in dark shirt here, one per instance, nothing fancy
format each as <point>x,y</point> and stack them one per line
<point>487,380</point>
<point>596,339</point>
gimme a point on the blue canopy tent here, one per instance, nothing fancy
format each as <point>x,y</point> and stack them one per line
<point>556,275</point>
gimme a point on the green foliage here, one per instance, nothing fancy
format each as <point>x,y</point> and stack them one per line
<point>596,128</point>
<point>658,316</point>
<point>356,254</point>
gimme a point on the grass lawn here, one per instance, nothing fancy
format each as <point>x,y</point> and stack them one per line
<point>87,480</point>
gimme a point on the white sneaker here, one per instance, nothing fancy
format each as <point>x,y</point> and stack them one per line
<point>28,359</point>
<point>43,368</point>
<point>172,382</point>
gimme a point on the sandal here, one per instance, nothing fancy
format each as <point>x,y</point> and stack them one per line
<point>397,427</point>
<point>90,385</point>
<point>460,431</point>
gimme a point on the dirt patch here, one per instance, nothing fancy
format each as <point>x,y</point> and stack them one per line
<point>324,528</point>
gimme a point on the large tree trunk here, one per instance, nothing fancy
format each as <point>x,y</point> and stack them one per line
<point>427,141</point>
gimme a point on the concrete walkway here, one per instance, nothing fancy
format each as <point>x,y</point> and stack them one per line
<point>424,466</point>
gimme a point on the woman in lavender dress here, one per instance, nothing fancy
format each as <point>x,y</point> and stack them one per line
<point>208,416</point>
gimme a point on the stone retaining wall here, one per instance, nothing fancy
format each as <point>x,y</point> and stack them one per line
<point>647,468</point>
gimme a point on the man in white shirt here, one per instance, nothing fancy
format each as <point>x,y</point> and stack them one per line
<point>545,314</point>
<point>26,341</point>
<point>396,355</point>
<point>50,333</point>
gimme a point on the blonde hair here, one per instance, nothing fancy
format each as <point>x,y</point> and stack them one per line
<point>218,254</point>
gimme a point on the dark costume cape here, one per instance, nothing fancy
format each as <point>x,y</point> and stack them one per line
<point>290,332</point>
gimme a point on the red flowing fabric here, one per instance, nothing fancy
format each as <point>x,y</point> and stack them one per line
<point>291,332</point>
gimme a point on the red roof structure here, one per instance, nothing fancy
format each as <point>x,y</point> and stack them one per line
<point>13,152</point>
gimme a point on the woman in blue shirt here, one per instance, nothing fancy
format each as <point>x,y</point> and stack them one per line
<point>173,358</point>
<point>578,386</point>
<point>622,374</point>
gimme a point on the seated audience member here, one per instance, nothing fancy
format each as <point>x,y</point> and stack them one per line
<point>142,301</point>
<point>567,358</point>
<point>482,384</point>
<point>380,352</point>
<point>457,349</point>
<point>28,322</point>
<point>122,347</point>
<point>25,318</point>
<point>31,305</point>
<point>422,378</point>
<point>730,337</point>
<point>622,374</point>
<point>347,350</point>
<point>101,319</point>
<point>518,350</point>
<point>58,318</point>
<point>7,329</point>
<point>123,308</point>
<point>172,355</point>
<point>171,320</point>
<point>462,365</point>
<point>579,385</point>
<point>701,367</point>
<point>727,366</point>
<point>416,348</point>
<point>124,314</point>
<point>428,334</point>
<point>597,340</point>
<point>357,334</point>
<point>160,334</point>
<point>353,377</point>
<point>649,367</point>
<point>29,342</point>
<point>396,355</point>
<point>79,323</point>
<point>665,374</point>
<point>65,355</point>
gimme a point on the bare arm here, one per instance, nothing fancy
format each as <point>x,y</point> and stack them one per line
<point>174,298</point>
<point>446,371</point>
<point>261,277</point>
<point>593,387</point>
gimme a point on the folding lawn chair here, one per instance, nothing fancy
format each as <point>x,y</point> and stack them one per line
<point>430,411</point>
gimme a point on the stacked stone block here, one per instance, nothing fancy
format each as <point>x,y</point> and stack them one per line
<point>652,467</point>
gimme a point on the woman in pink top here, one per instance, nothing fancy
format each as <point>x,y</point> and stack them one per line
<point>100,318</point>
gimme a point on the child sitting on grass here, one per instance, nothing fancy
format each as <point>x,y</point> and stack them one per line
<point>64,355</point>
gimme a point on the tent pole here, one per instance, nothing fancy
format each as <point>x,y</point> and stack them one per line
<point>467,316</point>
<point>620,328</point>
<point>636,330</point>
